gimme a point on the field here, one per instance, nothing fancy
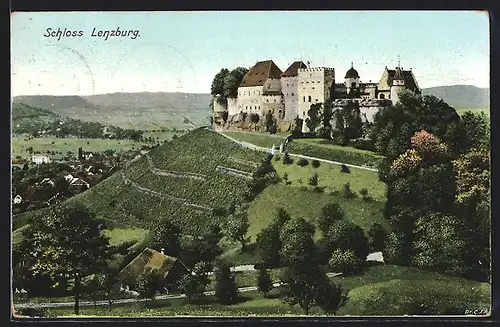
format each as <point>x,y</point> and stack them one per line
<point>20,144</point>
<point>392,290</point>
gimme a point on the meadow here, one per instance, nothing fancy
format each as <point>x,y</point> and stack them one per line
<point>380,290</point>
<point>20,145</point>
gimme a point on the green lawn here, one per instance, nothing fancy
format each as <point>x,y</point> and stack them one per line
<point>329,175</point>
<point>263,140</point>
<point>323,149</point>
<point>20,144</point>
<point>121,235</point>
<point>307,204</point>
<point>380,290</point>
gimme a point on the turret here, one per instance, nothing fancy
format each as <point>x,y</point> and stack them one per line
<point>398,84</point>
<point>351,79</point>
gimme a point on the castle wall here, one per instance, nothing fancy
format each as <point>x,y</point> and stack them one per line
<point>232,106</point>
<point>273,104</point>
<point>250,99</point>
<point>290,88</point>
<point>314,87</point>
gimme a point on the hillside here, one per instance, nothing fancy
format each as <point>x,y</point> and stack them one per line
<point>181,180</point>
<point>461,96</point>
<point>141,110</point>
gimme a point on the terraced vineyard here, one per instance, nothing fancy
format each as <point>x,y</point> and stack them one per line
<point>178,180</point>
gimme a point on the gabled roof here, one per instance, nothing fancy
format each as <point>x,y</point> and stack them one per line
<point>146,261</point>
<point>293,70</point>
<point>258,74</point>
<point>410,82</point>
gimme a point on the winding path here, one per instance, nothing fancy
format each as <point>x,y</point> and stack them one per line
<point>131,300</point>
<point>268,150</point>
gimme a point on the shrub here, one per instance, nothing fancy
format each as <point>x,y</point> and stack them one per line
<point>313,180</point>
<point>287,160</point>
<point>348,194</point>
<point>277,158</point>
<point>345,169</point>
<point>319,189</point>
<point>377,237</point>
<point>302,162</point>
<point>364,194</point>
<point>315,163</point>
<point>344,261</point>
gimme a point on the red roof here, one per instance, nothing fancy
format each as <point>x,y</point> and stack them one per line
<point>259,74</point>
<point>293,70</point>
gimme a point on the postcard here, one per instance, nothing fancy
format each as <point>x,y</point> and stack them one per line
<point>250,164</point>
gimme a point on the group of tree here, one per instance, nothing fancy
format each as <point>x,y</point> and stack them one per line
<point>289,242</point>
<point>438,176</point>
<point>225,83</point>
<point>64,246</point>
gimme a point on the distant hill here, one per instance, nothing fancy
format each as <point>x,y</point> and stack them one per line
<point>142,110</point>
<point>461,96</point>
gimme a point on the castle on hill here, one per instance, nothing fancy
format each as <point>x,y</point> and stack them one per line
<point>265,88</point>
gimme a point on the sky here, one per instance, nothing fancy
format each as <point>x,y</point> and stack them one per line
<point>182,51</point>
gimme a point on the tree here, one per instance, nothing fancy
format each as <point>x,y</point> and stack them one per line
<point>377,237</point>
<point>314,117</point>
<point>313,180</point>
<point>476,129</point>
<point>297,242</point>
<point>344,235</point>
<point>232,80</point>
<point>269,245</point>
<point>308,286</point>
<point>225,284</point>
<point>345,261</point>
<point>297,129</point>
<point>329,213</point>
<point>66,244</point>
<point>148,284</point>
<point>166,236</point>
<point>264,282</point>
<point>441,244</point>
<point>236,227</point>
<point>217,87</point>
<point>194,284</point>
<point>108,286</point>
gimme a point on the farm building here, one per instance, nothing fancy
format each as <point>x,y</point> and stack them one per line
<point>170,269</point>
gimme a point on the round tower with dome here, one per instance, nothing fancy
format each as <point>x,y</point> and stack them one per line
<point>351,79</point>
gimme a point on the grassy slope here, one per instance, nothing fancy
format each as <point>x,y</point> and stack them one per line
<point>305,203</point>
<point>368,295</point>
<point>263,140</point>
<point>198,151</point>
<point>321,149</point>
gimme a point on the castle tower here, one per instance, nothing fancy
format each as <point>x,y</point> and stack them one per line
<point>398,84</point>
<point>351,79</point>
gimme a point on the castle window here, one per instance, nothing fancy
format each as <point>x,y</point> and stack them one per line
<point>293,94</point>
<point>303,113</point>
<point>313,87</point>
<point>316,100</point>
<point>267,100</point>
<point>259,107</point>
<point>309,98</point>
<point>287,84</point>
<point>304,98</point>
<point>246,107</point>
<point>382,96</point>
<point>287,94</point>
<point>353,84</point>
<point>275,100</point>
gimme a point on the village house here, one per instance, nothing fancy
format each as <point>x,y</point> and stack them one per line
<point>170,269</point>
<point>40,159</point>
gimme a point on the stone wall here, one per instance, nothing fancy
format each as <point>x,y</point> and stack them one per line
<point>290,89</point>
